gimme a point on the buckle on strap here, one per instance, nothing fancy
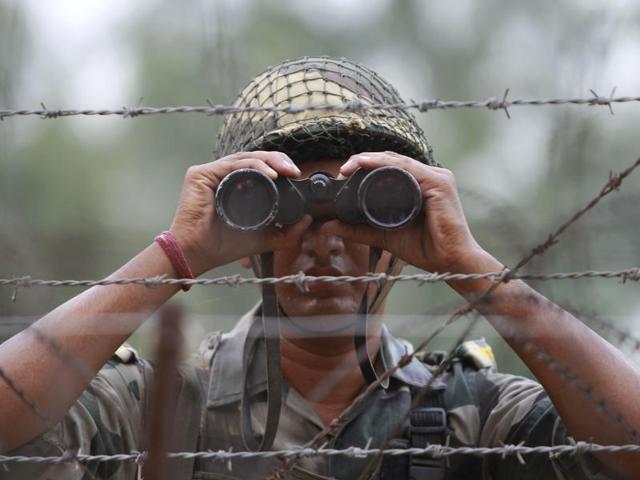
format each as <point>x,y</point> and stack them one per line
<point>427,426</point>
<point>428,420</point>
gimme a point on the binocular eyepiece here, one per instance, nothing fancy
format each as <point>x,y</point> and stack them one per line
<point>386,197</point>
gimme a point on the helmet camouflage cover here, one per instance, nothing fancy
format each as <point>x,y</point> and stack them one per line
<point>324,133</point>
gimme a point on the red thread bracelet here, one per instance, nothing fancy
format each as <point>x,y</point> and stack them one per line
<point>171,248</point>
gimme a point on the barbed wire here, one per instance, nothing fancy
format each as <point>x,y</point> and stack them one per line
<point>301,279</point>
<point>492,103</point>
<point>434,451</point>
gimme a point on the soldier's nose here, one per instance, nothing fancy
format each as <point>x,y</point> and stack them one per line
<point>319,243</point>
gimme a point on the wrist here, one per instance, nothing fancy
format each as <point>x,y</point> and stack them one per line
<point>476,260</point>
<point>173,250</point>
<point>192,252</point>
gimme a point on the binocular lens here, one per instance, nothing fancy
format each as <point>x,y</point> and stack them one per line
<point>247,199</point>
<point>390,197</point>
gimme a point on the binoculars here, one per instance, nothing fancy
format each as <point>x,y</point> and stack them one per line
<point>386,197</point>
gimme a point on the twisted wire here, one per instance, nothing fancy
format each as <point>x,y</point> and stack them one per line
<point>629,274</point>
<point>492,103</point>
<point>434,451</point>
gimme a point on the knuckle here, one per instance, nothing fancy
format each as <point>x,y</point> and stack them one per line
<point>449,176</point>
<point>280,156</point>
<point>264,154</point>
<point>192,172</point>
<point>260,165</point>
<point>404,162</point>
<point>247,163</point>
<point>234,156</point>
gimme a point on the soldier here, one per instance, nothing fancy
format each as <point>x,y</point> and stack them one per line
<point>235,399</point>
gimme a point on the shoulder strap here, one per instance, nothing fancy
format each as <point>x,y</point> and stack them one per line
<point>360,334</point>
<point>428,426</point>
<point>271,335</point>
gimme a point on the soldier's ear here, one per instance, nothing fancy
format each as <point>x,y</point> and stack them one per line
<point>245,262</point>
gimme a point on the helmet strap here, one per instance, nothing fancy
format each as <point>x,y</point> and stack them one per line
<point>360,335</point>
<point>271,334</point>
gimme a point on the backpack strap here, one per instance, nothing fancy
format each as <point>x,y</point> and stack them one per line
<point>428,426</point>
<point>271,335</point>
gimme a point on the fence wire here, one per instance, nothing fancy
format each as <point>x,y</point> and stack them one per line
<point>434,451</point>
<point>302,280</point>
<point>501,102</point>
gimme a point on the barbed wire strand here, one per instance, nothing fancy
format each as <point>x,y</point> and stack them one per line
<point>493,103</point>
<point>26,281</point>
<point>435,451</point>
<point>613,184</point>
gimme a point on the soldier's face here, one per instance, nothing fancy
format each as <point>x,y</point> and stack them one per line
<point>320,253</point>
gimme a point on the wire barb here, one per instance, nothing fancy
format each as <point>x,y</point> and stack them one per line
<point>520,451</point>
<point>302,281</point>
<point>423,106</point>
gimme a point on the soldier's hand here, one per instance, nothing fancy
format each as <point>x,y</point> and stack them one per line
<point>206,241</point>
<point>440,241</point>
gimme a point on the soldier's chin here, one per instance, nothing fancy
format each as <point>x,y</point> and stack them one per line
<point>320,325</point>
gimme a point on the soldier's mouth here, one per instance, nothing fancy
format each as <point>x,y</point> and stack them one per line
<point>324,287</point>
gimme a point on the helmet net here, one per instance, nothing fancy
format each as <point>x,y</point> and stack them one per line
<point>311,134</point>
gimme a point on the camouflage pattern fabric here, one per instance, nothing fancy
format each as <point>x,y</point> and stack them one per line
<point>485,408</point>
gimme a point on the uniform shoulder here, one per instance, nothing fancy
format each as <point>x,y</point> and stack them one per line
<point>476,354</point>
<point>125,376</point>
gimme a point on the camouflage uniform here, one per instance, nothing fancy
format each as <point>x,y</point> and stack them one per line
<point>485,408</point>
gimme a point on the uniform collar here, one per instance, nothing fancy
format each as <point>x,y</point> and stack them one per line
<point>225,358</point>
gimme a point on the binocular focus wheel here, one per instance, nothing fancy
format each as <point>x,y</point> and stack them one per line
<point>389,197</point>
<point>247,199</point>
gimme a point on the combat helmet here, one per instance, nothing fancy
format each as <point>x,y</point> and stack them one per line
<point>345,119</point>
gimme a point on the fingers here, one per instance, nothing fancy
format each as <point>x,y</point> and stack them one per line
<point>359,233</point>
<point>278,161</point>
<point>271,164</point>
<point>274,162</point>
<point>426,175</point>
<point>252,163</point>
